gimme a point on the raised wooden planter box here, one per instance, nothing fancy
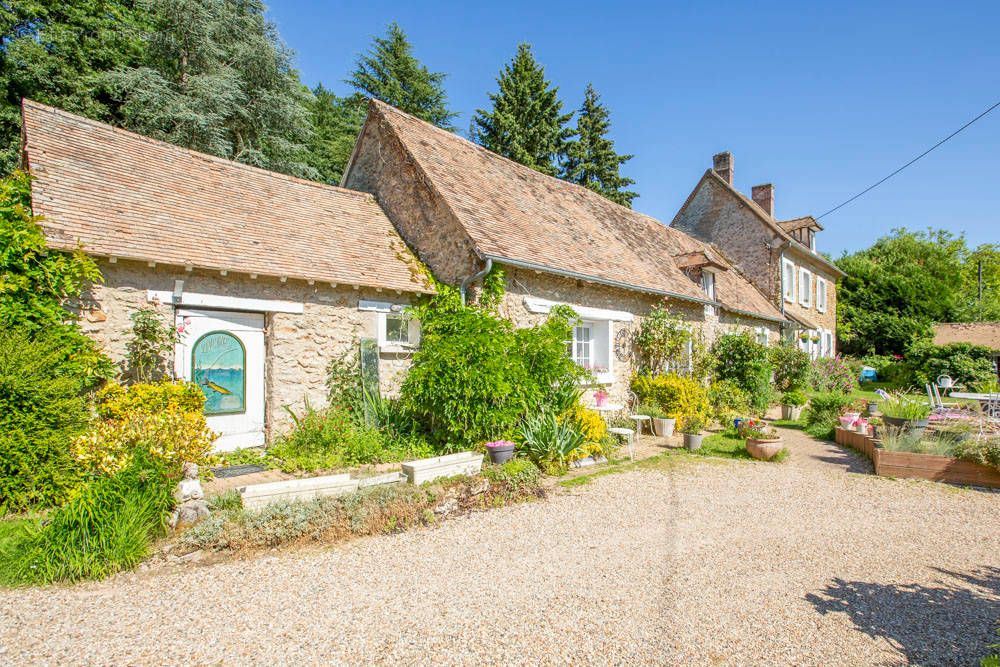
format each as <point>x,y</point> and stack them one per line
<point>256,496</point>
<point>425,470</point>
<point>907,465</point>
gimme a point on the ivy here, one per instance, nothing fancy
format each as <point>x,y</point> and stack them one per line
<point>661,338</point>
<point>494,287</point>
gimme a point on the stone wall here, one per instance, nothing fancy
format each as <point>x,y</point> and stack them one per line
<point>298,346</point>
<point>382,168</point>
<point>713,215</point>
<point>828,319</point>
<point>523,283</point>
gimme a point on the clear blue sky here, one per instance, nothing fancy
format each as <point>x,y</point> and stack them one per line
<point>820,100</point>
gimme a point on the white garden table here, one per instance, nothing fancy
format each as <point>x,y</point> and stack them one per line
<point>990,402</point>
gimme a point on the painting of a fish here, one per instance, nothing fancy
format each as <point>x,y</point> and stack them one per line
<point>218,366</point>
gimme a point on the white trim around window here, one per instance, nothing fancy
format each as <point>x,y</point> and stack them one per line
<point>395,329</point>
<point>761,334</point>
<point>821,287</point>
<point>805,288</point>
<point>591,347</point>
<point>788,280</point>
<point>536,305</point>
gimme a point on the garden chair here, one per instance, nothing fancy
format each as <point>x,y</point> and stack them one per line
<point>629,435</point>
<point>633,404</point>
<point>942,410</point>
<point>885,396</point>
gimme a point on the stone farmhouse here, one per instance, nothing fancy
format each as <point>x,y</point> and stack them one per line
<point>778,256</point>
<point>269,277</point>
<point>464,209</point>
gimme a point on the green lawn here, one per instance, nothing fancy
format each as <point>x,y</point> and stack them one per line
<point>727,445</point>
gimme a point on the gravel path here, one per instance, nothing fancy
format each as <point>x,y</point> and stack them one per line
<point>687,562</point>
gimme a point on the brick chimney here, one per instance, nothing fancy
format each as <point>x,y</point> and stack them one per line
<point>763,195</point>
<point>722,164</point>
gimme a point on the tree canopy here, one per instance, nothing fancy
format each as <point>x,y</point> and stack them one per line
<point>336,123</point>
<point>591,160</point>
<point>389,72</point>
<point>525,123</point>
<point>216,77</point>
<point>55,53</point>
<point>895,290</point>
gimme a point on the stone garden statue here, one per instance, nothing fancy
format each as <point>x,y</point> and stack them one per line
<point>191,506</point>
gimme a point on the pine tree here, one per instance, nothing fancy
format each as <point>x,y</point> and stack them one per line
<point>390,73</point>
<point>525,123</point>
<point>336,124</point>
<point>217,78</point>
<point>55,52</point>
<point>591,160</point>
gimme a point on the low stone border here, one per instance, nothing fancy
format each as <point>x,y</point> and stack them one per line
<point>908,465</point>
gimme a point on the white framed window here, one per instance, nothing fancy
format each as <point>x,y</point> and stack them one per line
<point>821,294</point>
<point>395,329</point>
<point>591,348</point>
<point>805,288</point>
<point>582,351</point>
<point>708,284</point>
<point>788,280</point>
<point>761,335</point>
<point>827,343</point>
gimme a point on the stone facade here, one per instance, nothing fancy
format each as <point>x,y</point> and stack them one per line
<point>298,345</point>
<point>522,284</point>
<point>381,167</point>
<point>716,213</point>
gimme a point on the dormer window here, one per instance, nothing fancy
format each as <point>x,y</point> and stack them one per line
<point>708,283</point>
<point>812,240</point>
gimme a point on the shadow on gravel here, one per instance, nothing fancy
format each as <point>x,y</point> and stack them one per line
<point>849,462</point>
<point>951,624</point>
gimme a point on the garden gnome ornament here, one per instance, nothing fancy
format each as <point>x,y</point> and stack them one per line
<point>191,505</point>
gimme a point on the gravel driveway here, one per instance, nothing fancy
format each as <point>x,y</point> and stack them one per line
<point>687,562</point>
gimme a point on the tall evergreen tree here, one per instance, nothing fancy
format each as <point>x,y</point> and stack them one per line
<point>55,53</point>
<point>591,160</point>
<point>217,78</point>
<point>390,73</point>
<point>525,123</point>
<point>336,124</point>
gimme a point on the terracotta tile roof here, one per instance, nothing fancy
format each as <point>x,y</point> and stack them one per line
<point>125,195</point>
<point>801,320</point>
<point>799,223</point>
<point>977,333</point>
<point>514,213</point>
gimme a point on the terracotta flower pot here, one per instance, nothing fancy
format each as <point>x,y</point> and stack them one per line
<point>763,449</point>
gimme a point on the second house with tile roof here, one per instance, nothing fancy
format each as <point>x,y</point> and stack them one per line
<point>464,209</point>
<point>780,257</point>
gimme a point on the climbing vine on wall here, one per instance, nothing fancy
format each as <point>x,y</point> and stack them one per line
<point>494,286</point>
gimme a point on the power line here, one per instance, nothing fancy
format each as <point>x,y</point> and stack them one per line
<point>875,185</point>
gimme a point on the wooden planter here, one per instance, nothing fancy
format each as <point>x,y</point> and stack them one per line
<point>907,465</point>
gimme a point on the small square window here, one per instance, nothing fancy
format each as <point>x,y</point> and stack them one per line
<point>582,346</point>
<point>397,328</point>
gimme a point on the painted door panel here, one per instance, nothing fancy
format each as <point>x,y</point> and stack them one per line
<point>223,353</point>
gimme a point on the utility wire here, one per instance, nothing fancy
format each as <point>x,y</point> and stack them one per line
<point>875,185</point>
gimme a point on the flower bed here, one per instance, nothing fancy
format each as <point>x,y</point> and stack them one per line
<point>920,466</point>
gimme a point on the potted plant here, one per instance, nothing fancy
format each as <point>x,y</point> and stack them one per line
<point>872,407</point>
<point>600,396</point>
<point>762,442</point>
<point>907,415</point>
<point>691,427</point>
<point>500,451</point>
<point>663,426</point>
<point>791,404</point>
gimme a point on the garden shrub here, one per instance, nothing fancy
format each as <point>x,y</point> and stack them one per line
<point>661,339</point>
<point>727,401</point>
<point>791,367</point>
<point>343,380</point>
<point>741,359</point>
<point>551,442</point>
<point>35,282</point>
<point>43,407</point>
<point>150,346</point>
<point>517,479</point>
<point>475,376</point>
<point>676,395</point>
<point>597,441</point>
<point>823,412</point>
<point>967,364</point>
<point>166,419</point>
<point>832,374</point>
<point>337,438</point>
<point>106,527</point>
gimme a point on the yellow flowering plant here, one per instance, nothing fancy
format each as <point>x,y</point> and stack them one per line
<point>166,418</point>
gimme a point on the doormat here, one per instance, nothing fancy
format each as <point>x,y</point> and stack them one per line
<point>237,471</point>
